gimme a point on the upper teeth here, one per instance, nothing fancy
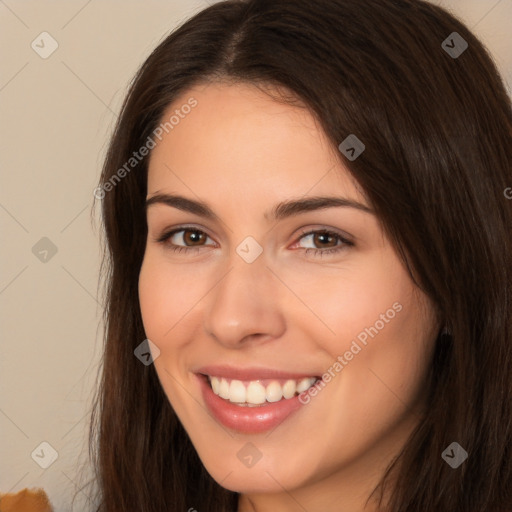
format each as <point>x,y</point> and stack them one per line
<point>255,393</point>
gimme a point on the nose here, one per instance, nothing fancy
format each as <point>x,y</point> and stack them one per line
<point>244,305</point>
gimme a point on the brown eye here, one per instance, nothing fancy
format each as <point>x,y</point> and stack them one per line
<point>193,237</point>
<point>322,242</point>
<point>322,239</point>
<point>181,239</point>
<point>325,239</point>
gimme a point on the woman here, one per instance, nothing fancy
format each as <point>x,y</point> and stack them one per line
<point>308,267</point>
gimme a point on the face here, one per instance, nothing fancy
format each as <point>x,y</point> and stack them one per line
<point>249,276</point>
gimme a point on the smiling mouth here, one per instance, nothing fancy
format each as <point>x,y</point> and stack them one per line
<point>258,393</point>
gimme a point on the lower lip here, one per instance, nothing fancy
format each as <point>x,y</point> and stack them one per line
<point>249,420</point>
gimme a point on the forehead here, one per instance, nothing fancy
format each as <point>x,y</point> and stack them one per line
<point>237,138</point>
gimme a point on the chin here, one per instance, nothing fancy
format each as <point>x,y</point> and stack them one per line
<point>256,480</point>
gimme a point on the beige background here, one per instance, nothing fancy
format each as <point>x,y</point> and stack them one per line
<point>56,117</point>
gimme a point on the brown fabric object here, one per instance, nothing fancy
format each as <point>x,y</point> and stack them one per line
<point>34,500</point>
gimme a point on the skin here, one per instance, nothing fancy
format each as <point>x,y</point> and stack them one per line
<point>242,153</point>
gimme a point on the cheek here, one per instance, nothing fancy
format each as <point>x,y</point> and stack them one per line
<point>166,296</point>
<point>166,302</point>
<point>155,298</point>
<point>357,301</point>
<point>380,377</point>
<point>381,328</point>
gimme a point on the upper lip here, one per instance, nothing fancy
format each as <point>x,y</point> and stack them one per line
<point>250,373</point>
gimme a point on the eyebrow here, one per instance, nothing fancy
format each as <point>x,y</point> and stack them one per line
<point>278,212</point>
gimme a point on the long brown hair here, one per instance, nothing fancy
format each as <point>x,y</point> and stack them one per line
<point>437,129</point>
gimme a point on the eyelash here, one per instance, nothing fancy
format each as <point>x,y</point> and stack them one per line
<point>163,239</point>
